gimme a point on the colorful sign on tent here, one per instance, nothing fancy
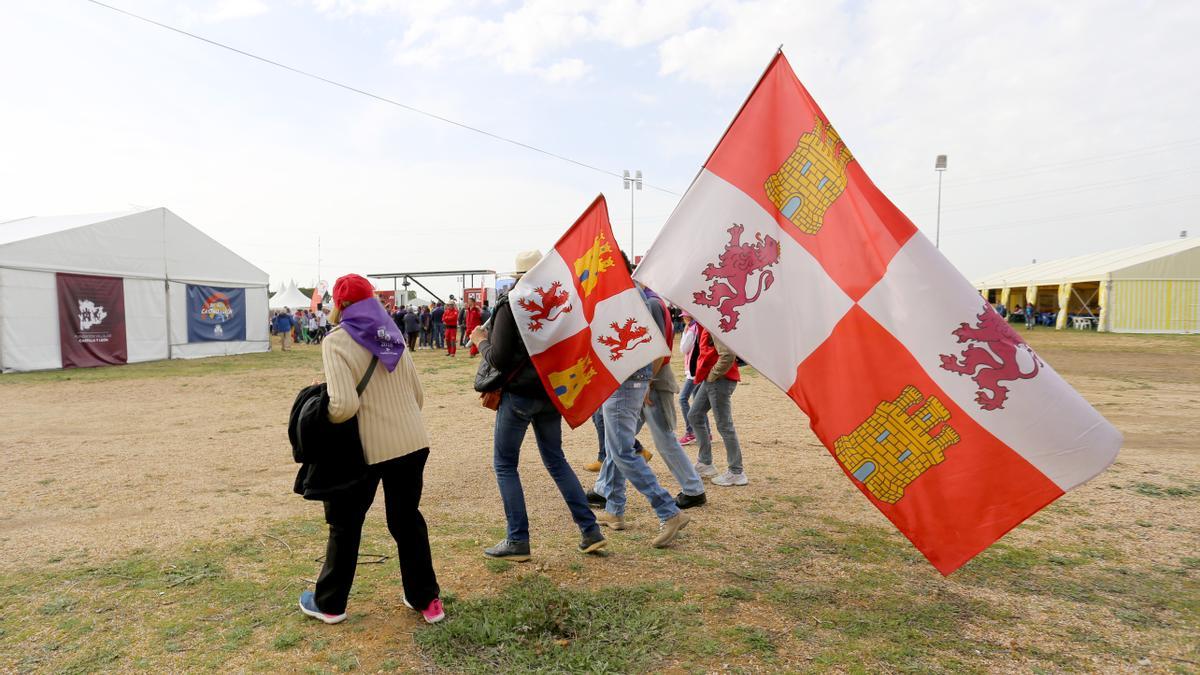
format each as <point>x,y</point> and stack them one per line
<point>932,405</point>
<point>91,320</point>
<point>216,314</point>
<point>585,324</point>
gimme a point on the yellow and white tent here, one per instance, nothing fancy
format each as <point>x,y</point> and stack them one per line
<point>1154,288</point>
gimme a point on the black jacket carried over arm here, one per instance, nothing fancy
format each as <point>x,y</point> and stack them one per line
<point>331,454</point>
<point>505,351</point>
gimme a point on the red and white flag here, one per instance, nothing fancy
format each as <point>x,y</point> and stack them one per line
<point>585,324</point>
<point>933,406</point>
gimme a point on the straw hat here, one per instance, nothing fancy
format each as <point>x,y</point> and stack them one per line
<point>526,260</point>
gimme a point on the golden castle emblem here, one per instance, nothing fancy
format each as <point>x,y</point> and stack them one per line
<point>811,178</point>
<point>570,382</point>
<point>894,446</point>
<point>595,261</point>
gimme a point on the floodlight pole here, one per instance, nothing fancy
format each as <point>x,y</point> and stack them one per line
<point>939,165</point>
<point>632,183</point>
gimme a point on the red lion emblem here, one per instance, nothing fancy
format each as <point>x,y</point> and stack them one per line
<point>728,290</point>
<point>998,363</point>
<point>628,336</point>
<point>554,304</point>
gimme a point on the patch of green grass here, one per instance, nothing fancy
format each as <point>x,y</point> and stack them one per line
<point>535,626</point>
<point>287,639</point>
<point>755,639</point>
<point>1166,492</point>
<point>59,605</point>
<point>735,593</point>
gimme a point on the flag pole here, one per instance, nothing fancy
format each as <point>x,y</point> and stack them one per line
<point>770,64</point>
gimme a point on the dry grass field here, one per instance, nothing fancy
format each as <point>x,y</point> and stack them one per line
<point>147,523</point>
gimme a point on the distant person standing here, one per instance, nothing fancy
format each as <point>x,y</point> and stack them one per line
<point>1029,316</point>
<point>426,327</point>
<point>473,322</point>
<point>284,323</point>
<point>462,326</point>
<point>450,319</point>
<point>412,326</point>
<point>485,313</point>
<point>439,330</point>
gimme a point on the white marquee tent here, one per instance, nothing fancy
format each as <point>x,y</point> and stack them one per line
<point>154,252</point>
<point>291,298</point>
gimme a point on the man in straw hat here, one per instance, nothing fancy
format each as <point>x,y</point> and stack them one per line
<point>524,402</point>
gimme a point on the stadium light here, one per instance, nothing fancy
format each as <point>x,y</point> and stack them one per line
<point>631,184</point>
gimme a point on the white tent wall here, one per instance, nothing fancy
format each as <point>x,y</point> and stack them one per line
<point>145,320</point>
<point>129,245</point>
<point>257,338</point>
<point>28,321</point>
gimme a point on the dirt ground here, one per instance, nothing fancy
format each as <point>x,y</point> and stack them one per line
<point>95,466</point>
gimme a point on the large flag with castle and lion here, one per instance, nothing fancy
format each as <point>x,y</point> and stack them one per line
<point>584,323</point>
<point>944,418</point>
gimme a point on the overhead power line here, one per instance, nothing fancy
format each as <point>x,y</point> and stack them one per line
<point>368,94</point>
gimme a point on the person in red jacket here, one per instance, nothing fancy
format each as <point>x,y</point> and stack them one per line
<point>450,319</point>
<point>474,320</point>
<point>717,374</point>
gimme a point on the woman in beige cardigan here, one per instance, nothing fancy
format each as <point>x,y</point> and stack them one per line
<point>395,445</point>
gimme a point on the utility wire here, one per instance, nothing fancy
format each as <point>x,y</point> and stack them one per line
<point>368,94</point>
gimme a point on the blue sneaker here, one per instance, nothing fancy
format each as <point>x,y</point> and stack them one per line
<point>308,605</point>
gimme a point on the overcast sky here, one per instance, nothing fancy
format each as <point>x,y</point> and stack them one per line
<point>1070,126</point>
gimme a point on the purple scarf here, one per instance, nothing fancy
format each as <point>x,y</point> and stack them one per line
<point>369,324</point>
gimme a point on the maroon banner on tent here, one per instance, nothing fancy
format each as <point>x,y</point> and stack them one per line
<point>91,320</point>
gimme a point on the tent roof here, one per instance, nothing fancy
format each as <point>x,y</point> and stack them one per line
<point>290,297</point>
<point>1090,267</point>
<point>146,244</point>
<point>37,226</point>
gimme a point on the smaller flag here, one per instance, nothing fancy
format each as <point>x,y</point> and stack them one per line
<point>583,321</point>
<point>316,300</point>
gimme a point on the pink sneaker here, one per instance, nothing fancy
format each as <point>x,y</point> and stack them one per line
<point>687,439</point>
<point>433,613</point>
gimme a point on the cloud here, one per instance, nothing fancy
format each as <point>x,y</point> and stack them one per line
<point>566,70</point>
<point>538,37</point>
<point>230,10</point>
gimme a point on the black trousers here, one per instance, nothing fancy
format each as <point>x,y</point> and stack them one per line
<point>402,480</point>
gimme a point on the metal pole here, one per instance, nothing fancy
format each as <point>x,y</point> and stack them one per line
<point>937,241</point>
<point>631,255</point>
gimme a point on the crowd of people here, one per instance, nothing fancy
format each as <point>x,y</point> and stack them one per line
<point>303,325</point>
<point>395,443</point>
<point>441,325</point>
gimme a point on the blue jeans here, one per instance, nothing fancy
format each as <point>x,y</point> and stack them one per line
<point>660,417</point>
<point>622,411</point>
<point>686,394</point>
<point>598,421</point>
<point>716,396</point>
<point>439,335</point>
<point>515,415</point>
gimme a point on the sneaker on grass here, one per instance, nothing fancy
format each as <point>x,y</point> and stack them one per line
<point>593,466</point>
<point>687,439</point>
<point>730,478</point>
<point>705,470</point>
<point>516,551</point>
<point>308,605</point>
<point>433,613</point>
